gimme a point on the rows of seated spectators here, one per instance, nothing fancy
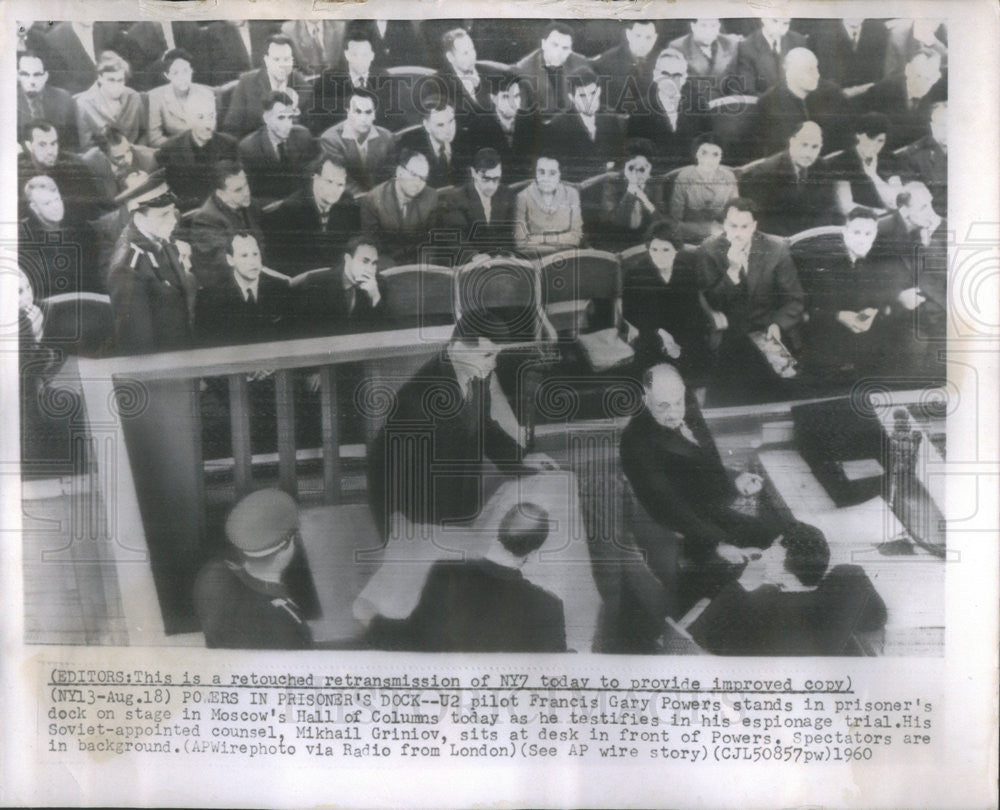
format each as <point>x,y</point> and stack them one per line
<point>235,181</point>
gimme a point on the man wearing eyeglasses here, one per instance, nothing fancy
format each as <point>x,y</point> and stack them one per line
<point>242,602</point>
<point>399,213</point>
<point>482,208</point>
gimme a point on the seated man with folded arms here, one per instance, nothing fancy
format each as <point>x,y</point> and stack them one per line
<point>276,154</point>
<point>242,603</point>
<point>228,210</point>
<point>311,227</point>
<point>484,604</point>
<point>248,304</point>
<point>400,213</point>
<point>674,468</point>
<point>547,215</point>
<point>786,602</point>
<point>481,210</point>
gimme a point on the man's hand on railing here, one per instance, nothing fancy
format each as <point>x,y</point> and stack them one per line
<point>257,376</point>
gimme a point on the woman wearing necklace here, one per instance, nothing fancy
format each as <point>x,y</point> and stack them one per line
<point>547,215</point>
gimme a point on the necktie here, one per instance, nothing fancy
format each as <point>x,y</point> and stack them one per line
<point>35,105</point>
<point>635,218</point>
<point>777,50</point>
<point>251,299</point>
<point>282,153</point>
<point>487,205</point>
<point>443,156</point>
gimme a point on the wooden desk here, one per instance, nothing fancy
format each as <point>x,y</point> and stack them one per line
<point>911,586</point>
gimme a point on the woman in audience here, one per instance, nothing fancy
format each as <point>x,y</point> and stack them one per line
<point>547,215</point>
<point>701,191</point>
<point>863,175</point>
<point>661,300</point>
<point>171,105</point>
<point>631,203</point>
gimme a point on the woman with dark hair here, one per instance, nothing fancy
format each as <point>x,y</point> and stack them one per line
<point>862,175</point>
<point>661,299</point>
<point>547,215</point>
<point>700,191</point>
<point>631,203</point>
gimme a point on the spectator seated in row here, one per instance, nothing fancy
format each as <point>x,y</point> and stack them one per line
<point>229,209</point>
<point>700,192</point>
<point>439,140</point>
<point>348,298</point>
<point>789,189</point>
<point>786,602</point>
<point>189,158</point>
<point>113,157</point>
<point>171,105</point>
<point>906,98</point>
<point>547,214</point>
<point>626,70</point>
<point>276,154</point>
<point>629,205</point>
<point>363,148</point>
<point>661,300</point>
<point>108,102</point>
<point>760,56</point>
<point>312,226</point>
<point>711,57</point>
<point>465,83</point>
<point>399,213</point>
<point>245,304</point>
<point>926,160</point>
<point>37,99</point>
<point>507,127</point>
<point>355,71</point>
<point>545,70</point>
<point>863,174</point>
<point>481,210</point>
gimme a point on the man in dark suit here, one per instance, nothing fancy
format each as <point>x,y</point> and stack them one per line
<point>229,48</point>
<point>443,482</point>
<point>750,282</point>
<point>363,148</point>
<point>228,209</point>
<point>189,157</point>
<point>513,132</point>
<point>850,296</point>
<point>246,107</point>
<point>544,70</point>
<point>760,55</point>
<point>801,95</point>
<point>791,194</point>
<point>312,226</point>
<point>276,154</point>
<point>906,98</point>
<point>585,140</point>
<point>674,468</point>
<point>851,51</point>
<point>400,213</point>
<point>711,56</point>
<point>247,304</point>
<point>41,154</point>
<point>626,70</point>
<point>465,83</point>
<point>346,299</point>
<point>317,43</point>
<point>670,118</point>
<point>484,605</point>
<point>356,71</point>
<point>446,148</point>
<point>464,208</point>
<point>151,292</point>
<point>394,42</point>
<point>787,603</point>
<point>36,98</point>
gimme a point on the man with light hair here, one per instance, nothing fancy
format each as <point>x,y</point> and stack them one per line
<point>466,83</point>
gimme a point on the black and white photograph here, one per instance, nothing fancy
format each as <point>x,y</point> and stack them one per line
<point>593,335</point>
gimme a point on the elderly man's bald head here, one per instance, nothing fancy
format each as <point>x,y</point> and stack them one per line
<point>801,71</point>
<point>665,395</point>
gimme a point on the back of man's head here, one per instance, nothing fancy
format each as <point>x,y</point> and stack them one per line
<point>808,553</point>
<point>523,529</point>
